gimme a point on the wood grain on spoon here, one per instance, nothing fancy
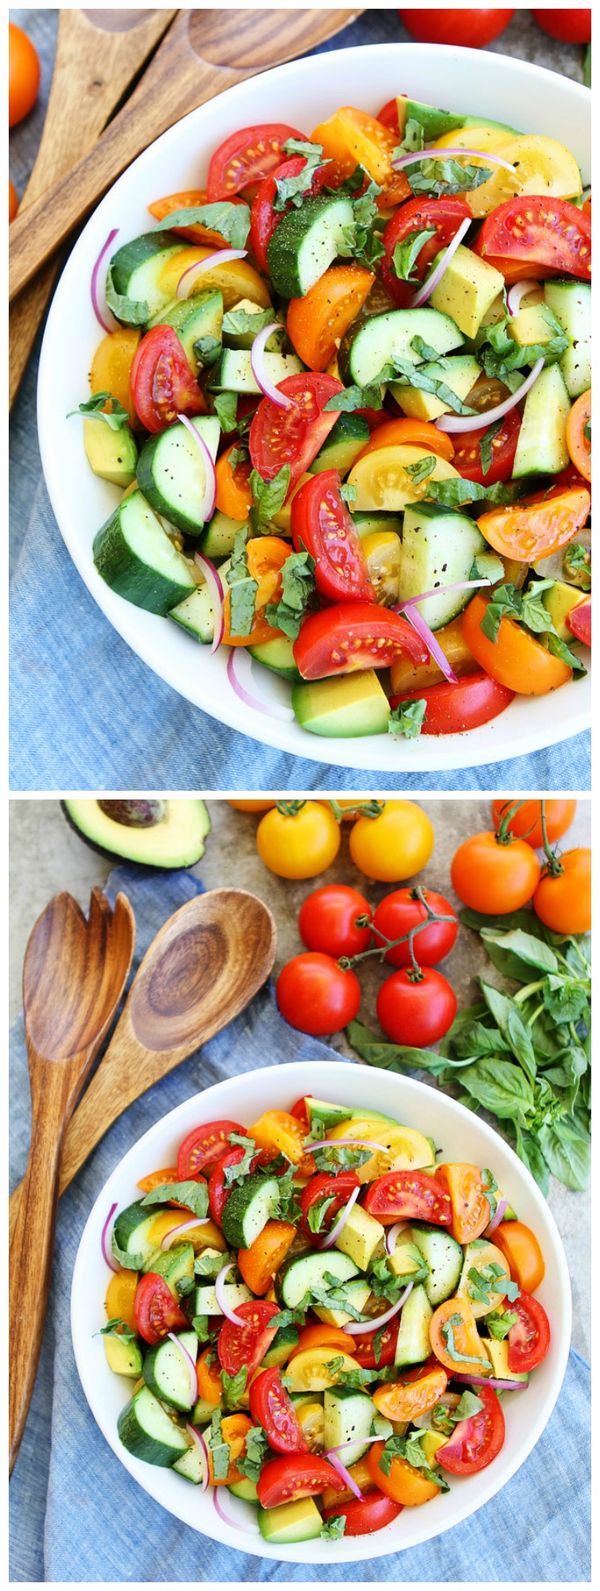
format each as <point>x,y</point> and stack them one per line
<point>98,54</point>
<point>203,53</point>
<point>74,975</point>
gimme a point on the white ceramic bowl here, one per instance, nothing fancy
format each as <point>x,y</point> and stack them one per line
<point>303,92</point>
<point>463,1137</point>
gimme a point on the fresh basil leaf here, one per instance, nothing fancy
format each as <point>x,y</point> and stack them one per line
<point>485,445</point>
<point>409,1448</point>
<point>267,498</point>
<point>406,720</point>
<point>559,648</point>
<point>207,350</point>
<point>448,1329</point>
<point>567,1151</point>
<point>528,950</point>
<point>455,493</point>
<point>256,1451</point>
<point>468,1405</point>
<point>413,138</point>
<point>117,1328</point>
<point>422,469</point>
<point>352,398</point>
<point>292,190</point>
<point>297,587</point>
<point>318,1211</point>
<point>303,146</point>
<point>237,322</point>
<point>220,1450</point>
<point>529,1151</point>
<point>225,404</point>
<point>231,221</point>
<point>499,1087</point>
<point>361,240</point>
<point>500,1322</point>
<point>194,1195</point>
<point>93,409</point>
<point>577,565</point>
<point>201,1325</point>
<point>234,1387</point>
<point>510,1022</point>
<point>440,178</point>
<point>406,374</point>
<point>134,312</point>
<point>566,999</point>
<point>242,587</point>
<point>333,1529</point>
<point>407,252</point>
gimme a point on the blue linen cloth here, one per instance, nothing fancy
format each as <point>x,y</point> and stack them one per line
<point>86,712</point>
<point>76,1515</point>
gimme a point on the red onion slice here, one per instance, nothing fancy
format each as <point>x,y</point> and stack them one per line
<point>236,1320</point>
<point>392,1234</point>
<point>344,1473</point>
<point>332,1236</point>
<point>343,1445</point>
<point>184,1226</point>
<point>418,623</point>
<point>217,596</point>
<point>311,1144</point>
<point>110,1258</point>
<point>234,1524</point>
<point>218,257</point>
<point>191,1368</point>
<point>355,1328</point>
<point>488,1381</point>
<point>518,291</point>
<point>210,477</point>
<point>259,371</point>
<point>200,1442</point>
<point>476,422</point>
<point>432,153</point>
<point>428,286</point>
<point>238,660</point>
<point>442,591</point>
<point>94,285</point>
<point>501,1206</point>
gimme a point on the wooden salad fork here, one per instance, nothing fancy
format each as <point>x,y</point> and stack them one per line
<point>98,55</point>
<point>74,974</point>
<point>203,53</point>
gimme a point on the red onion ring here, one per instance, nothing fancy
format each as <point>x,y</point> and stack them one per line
<point>257,360</point>
<point>229,1314</point>
<point>475,422</point>
<point>94,283</point>
<point>355,1328</point>
<point>311,1144</point>
<point>343,1445</point>
<point>489,1381</point>
<point>501,1206</point>
<point>392,1234</point>
<point>344,1473</point>
<point>427,287</point>
<point>237,660</point>
<point>332,1236</point>
<point>234,1524</point>
<point>199,1439</point>
<point>217,595</point>
<point>191,1368</point>
<point>218,257</point>
<point>432,153</point>
<point>210,477</point>
<point>518,291</point>
<point>418,623</point>
<point>184,1226</point>
<point>441,591</point>
<point>110,1258</point>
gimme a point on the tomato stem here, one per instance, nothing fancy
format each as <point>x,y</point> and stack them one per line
<point>290,809</point>
<point>503,834</point>
<point>347,962</point>
<point>553,865</point>
<point>363,809</point>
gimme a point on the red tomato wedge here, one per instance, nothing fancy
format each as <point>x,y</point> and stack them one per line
<point>218,1192</point>
<point>453,708</point>
<point>156,1310</point>
<point>285,1480</point>
<point>293,436</point>
<point>247,1345</point>
<point>264,218</point>
<point>476,1441</point>
<point>529,1340</point>
<point>354,635</point>
<point>203,1146</point>
<point>322,525</point>
<point>246,157</point>
<point>408,1196</point>
<point>579,622</point>
<point>539,230</point>
<point>366,1346</point>
<point>271,1407</point>
<point>364,1515</point>
<point>503,446</point>
<point>335,1192</point>
<point>162,383</point>
<point>440,216</point>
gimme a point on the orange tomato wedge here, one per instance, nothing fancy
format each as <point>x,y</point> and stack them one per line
<point>111,367</point>
<point>325,1337</point>
<point>120,1297</point>
<point>522,1251</point>
<point>209,1378</point>
<point>188,201</point>
<point>316,322</point>
<point>528,531</point>
<point>419,432</point>
<point>265,556</point>
<point>579,448</point>
<point>408,1400</point>
<point>234,496</point>
<point>455,1316</point>
<point>516,659</point>
<point>404,1484</point>
<point>259,1263</point>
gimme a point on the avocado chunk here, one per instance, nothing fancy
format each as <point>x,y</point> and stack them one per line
<point>153,833</point>
<point>110,454</point>
<point>352,704</point>
<point>531,325</point>
<point>497,1353</point>
<point>459,374</point>
<point>299,1521</point>
<point>123,1356</point>
<point>358,1292</point>
<point>467,290</point>
<point>360,1237</point>
<point>560,599</point>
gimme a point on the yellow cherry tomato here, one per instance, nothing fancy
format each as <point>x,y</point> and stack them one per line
<point>395,845</point>
<point>382,550</point>
<point>251,806</point>
<point>235,279</point>
<point>111,367</point>
<point>298,839</point>
<point>382,481</point>
<point>542,165</point>
<point>491,138</point>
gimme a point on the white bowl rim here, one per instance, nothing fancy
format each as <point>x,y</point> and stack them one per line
<point>512,734</point>
<point>306,1076</point>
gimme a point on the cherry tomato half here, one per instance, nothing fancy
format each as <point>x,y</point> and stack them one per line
<point>354,635</point>
<point>271,1407</point>
<point>295,435</point>
<point>203,1146</point>
<point>285,1480</point>
<point>477,1440</point>
<point>365,1515</point>
<point>516,658</point>
<point>246,1345</point>
<point>467,454</point>
<point>529,1339</point>
<point>335,1190</point>
<point>156,1310</point>
<point>416,1011</point>
<point>328,917</point>
<point>453,707</point>
<point>403,910</point>
<point>322,526</point>
<point>315,995</point>
<point>408,1196</point>
<point>246,157</point>
<point>440,216</point>
<point>540,230</point>
<point>521,1250</point>
<point>162,382</point>
<point>375,1348</point>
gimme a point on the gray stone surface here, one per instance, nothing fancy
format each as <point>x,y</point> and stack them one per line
<point>46,856</point>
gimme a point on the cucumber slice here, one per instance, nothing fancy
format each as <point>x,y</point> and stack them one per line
<point>348,1418</point>
<point>132,1229</point>
<point>438,551</point>
<point>306,242</point>
<point>206,1299</point>
<point>346,440</point>
<point>166,1371</point>
<point>444,1257</point>
<point>219,535</point>
<point>542,447</point>
<point>194,319</point>
<point>148,1432</point>
<point>252,1203</point>
<point>281,1347</point>
<point>246,1489</point>
<point>172,474</point>
<point>192,1465</point>
<point>299,1521</point>
<point>234,371</point>
<point>389,336</point>
<point>137,559</point>
<point>367,524</point>
<point>196,614</point>
<point>277,655</point>
<point>300,1275</point>
<point>136,268</point>
<point>571,302</point>
<point>413,1344</point>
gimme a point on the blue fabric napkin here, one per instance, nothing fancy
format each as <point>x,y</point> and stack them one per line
<point>85,711</point>
<point>76,1515</point>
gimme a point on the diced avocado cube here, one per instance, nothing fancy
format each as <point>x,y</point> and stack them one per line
<point>360,1237</point>
<point>406,1259</point>
<point>110,454</point>
<point>122,1355</point>
<point>299,1521</point>
<point>430,1442</point>
<point>497,1353</point>
<point>349,705</point>
<point>358,1292</point>
<point>559,600</point>
<point>467,290</point>
<point>530,325</point>
<point>459,374</point>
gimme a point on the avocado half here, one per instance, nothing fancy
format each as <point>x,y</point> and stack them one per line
<point>152,833</point>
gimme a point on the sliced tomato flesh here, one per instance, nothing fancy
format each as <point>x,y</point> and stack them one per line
<point>203,1147</point>
<point>354,635</point>
<point>442,217</point>
<point>271,1407</point>
<point>246,157</point>
<point>322,525</point>
<point>408,1195</point>
<point>293,435</point>
<point>529,1338</point>
<point>451,709</point>
<point>285,1480</point>
<point>475,1442</point>
<point>541,231</point>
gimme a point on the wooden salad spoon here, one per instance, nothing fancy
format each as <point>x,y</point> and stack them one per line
<point>203,53</point>
<point>74,974</point>
<point>98,55</point>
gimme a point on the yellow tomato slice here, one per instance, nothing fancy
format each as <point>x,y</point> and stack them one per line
<point>492,138</point>
<point>236,278</point>
<point>404,1148</point>
<point>307,1372</point>
<point>479,1259</point>
<point>111,366</point>
<point>542,165</point>
<point>382,481</point>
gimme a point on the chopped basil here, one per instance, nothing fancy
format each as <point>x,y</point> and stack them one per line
<point>241,1168</point>
<point>297,587</point>
<point>448,1329</point>
<point>231,221</point>
<point>406,254</point>
<point>117,1328</point>
<point>491,1279</point>
<point>370,397</point>
<point>93,409</point>
<point>405,374</point>
<point>234,1387</point>
<point>318,1211</point>
<point>333,1529</point>
<point>194,1195</point>
<point>242,587</point>
<point>252,1460</point>
<point>219,1449</point>
<point>577,565</point>
<point>440,178</point>
<point>238,321</point>
<point>134,312</point>
<point>485,445</point>
<point>226,411</point>
<point>409,1448</point>
<point>499,1322</point>
<point>267,498</point>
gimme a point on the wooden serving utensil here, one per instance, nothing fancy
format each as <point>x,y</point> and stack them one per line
<point>74,974</point>
<point>203,53</point>
<point>98,55</point>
